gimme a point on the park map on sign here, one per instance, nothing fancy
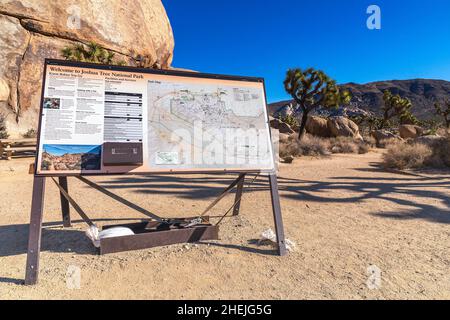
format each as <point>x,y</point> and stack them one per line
<point>190,125</point>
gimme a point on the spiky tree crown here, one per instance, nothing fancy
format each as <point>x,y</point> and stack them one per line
<point>443,110</point>
<point>395,105</point>
<point>92,53</point>
<point>311,88</point>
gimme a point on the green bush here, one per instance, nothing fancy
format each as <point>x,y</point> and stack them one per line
<point>291,121</point>
<point>93,53</point>
<point>31,133</point>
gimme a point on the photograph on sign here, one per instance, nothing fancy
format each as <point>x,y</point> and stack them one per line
<point>99,120</point>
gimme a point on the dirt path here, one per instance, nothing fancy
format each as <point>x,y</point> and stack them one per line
<point>344,214</point>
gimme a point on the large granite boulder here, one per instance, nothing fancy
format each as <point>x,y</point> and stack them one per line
<point>4,90</point>
<point>274,122</point>
<point>383,137</point>
<point>283,127</point>
<point>318,126</point>
<point>343,127</point>
<point>33,30</point>
<point>429,139</point>
<point>409,131</point>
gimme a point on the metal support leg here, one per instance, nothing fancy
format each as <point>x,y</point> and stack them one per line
<point>237,199</point>
<point>65,207</point>
<point>279,229</point>
<point>35,231</point>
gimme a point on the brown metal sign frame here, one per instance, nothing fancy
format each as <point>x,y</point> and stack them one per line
<point>140,241</point>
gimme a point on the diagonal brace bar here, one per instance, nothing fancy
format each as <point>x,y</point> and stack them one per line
<point>120,199</point>
<point>224,193</point>
<point>74,204</point>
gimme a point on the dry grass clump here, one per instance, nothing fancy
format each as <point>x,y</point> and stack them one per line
<point>349,145</point>
<point>418,155</point>
<point>316,146</point>
<point>406,156</point>
<point>441,153</point>
<point>308,146</point>
<point>343,145</point>
<point>443,132</point>
<point>386,143</point>
<point>364,148</point>
<point>370,141</point>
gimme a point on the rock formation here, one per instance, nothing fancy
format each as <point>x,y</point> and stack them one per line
<point>34,30</point>
<point>343,127</point>
<point>383,137</point>
<point>367,99</point>
<point>409,131</point>
<point>318,126</point>
<point>281,126</point>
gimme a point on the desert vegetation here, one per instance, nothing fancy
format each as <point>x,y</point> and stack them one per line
<point>31,133</point>
<point>418,154</point>
<point>409,142</point>
<point>310,89</point>
<point>95,53</point>
<point>92,52</point>
<point>315,146</point>
<point>443,110</point>
<point>396,106</point>
<point>3,133</point>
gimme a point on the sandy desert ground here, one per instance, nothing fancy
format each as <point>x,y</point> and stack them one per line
<point>344,213</point>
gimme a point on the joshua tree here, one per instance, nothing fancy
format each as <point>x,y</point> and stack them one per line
<point>444,112</point>
<point>312,88</point>
<point>370,121</point>
<point>396,106</point>
<point>93,53</point>
<point>374,122</point>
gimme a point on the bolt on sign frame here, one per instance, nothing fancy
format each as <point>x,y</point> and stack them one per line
<point>148,233</point>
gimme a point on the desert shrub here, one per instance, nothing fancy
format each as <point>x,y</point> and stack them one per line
<point>291,121</point>
<point>370,140</point>
<point>440,153</point>
<point>31,133</point>
<point>343,145</point>
<point>364,148</point>
<point>45,165</point>
<point>386,143</point>
<point>349,145</point>
<point>92,52</point>
<point>443,132</point>
<point>308,146</point>
<point>316,146</point>
<point>406,156</point>
<point>3,133</point>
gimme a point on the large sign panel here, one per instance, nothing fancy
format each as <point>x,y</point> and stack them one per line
<point>105,120</point>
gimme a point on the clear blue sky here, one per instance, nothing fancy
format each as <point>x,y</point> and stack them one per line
<point>266,37</point>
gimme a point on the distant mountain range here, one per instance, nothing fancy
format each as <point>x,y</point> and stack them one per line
<point>369,97</point>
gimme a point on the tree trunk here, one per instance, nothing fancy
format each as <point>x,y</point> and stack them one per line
<point>301,132</point>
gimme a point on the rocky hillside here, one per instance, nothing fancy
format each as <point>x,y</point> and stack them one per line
<point>33,30</point>
<point>74,161</point>
<point>369,97</point>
